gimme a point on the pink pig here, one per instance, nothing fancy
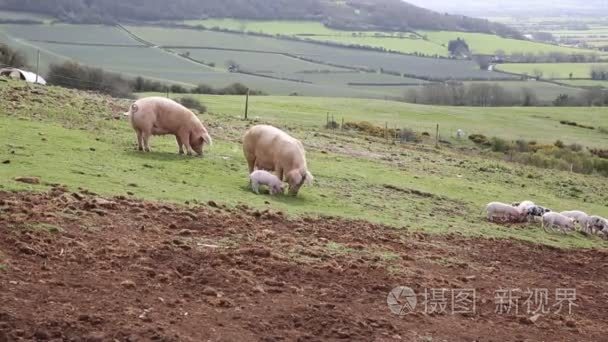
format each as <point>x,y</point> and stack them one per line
<point>159,116</point>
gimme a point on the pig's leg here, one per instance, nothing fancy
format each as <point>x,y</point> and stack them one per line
<point>146,139</point>
<point>179,144</point>
<point>185,138</point>
<point>251,163</point>
<point>140,140</point>
<point>279,174</point>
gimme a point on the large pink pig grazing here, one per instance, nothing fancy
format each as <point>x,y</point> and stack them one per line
<point>158,116</point>
<point>268,148</point>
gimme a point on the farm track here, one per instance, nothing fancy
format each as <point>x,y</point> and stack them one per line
<point>74,266</point>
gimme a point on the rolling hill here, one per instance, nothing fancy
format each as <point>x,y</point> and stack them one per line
<point>353,14</point>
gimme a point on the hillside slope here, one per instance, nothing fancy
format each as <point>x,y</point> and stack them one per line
<point>70,137</point>
<point>355,14</point>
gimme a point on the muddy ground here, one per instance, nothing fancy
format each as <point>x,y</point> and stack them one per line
<point>76,267</point>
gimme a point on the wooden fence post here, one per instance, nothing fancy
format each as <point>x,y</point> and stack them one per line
<point>386,131</point>
<point>437,136</point>
<point>246,104</point>
<point>37,66</point>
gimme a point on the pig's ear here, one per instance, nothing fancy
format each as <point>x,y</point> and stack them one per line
<point>205,138</point>
<point>295,178</point>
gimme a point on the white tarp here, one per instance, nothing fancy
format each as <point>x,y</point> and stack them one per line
<point>22,75</point>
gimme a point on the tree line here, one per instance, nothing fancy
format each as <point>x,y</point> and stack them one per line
<point>481,95</point>
<point>549,57</point>
<point>351,14</point>
<point>74,75</point>
<point>495,95</point>
<point>11,58</point>
<point>599,73</point>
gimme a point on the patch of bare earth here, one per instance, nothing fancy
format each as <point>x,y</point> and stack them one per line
<point>77,267</point>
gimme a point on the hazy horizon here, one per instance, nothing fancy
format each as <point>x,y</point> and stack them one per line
<point>490,8</point>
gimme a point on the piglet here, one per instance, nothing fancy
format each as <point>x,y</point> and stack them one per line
<point>262,177</point>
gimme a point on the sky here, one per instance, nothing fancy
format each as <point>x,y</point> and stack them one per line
<point>490,8</point>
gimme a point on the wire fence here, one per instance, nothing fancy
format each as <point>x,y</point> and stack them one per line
<point>396,129</point>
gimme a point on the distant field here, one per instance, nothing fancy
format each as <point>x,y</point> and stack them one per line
<point>422,67</point>
<point>552,70</point>
<point>157,64</point>
<point>285,27</point>
<point>258,62</point>
<point>598,43</point>
<point>405,42</point>
<point>31,50</point>
<point>281,66</point>
<point>592,31</point>
<point>153,63</point>
<point>13,15</point>
<point>595,36</point>
<point>489,44</point>
<point>405,45</point>
<point>281,61</point>
<point>568,30</point>
<point>544,91</point>
<point>396,41</point>
<point>357,77</point>
<point>586,83</point>
<point>97,34</point>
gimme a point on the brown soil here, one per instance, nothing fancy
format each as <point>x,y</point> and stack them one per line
<point>75,267</point>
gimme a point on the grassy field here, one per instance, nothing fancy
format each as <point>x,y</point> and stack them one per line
<point>543,90</point>
<point>391,43</point>
<point>12,15</point>
<point>424,67</point>
<point>567,30</point>
<point>396,41</point>
<point>285,27</point>
<point>488,44</point>
<point>552,70</point>
<point>587,83</point>
<point>89,45</point>
<point>74,34</point>
<point>131,61</point>
<point>595,36</point>
<point>281,62</point>
<point>509,123</point>
<point>67,138</point>
<point>157,64</point>
<point>30,51</point>
<point>256,62</point>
